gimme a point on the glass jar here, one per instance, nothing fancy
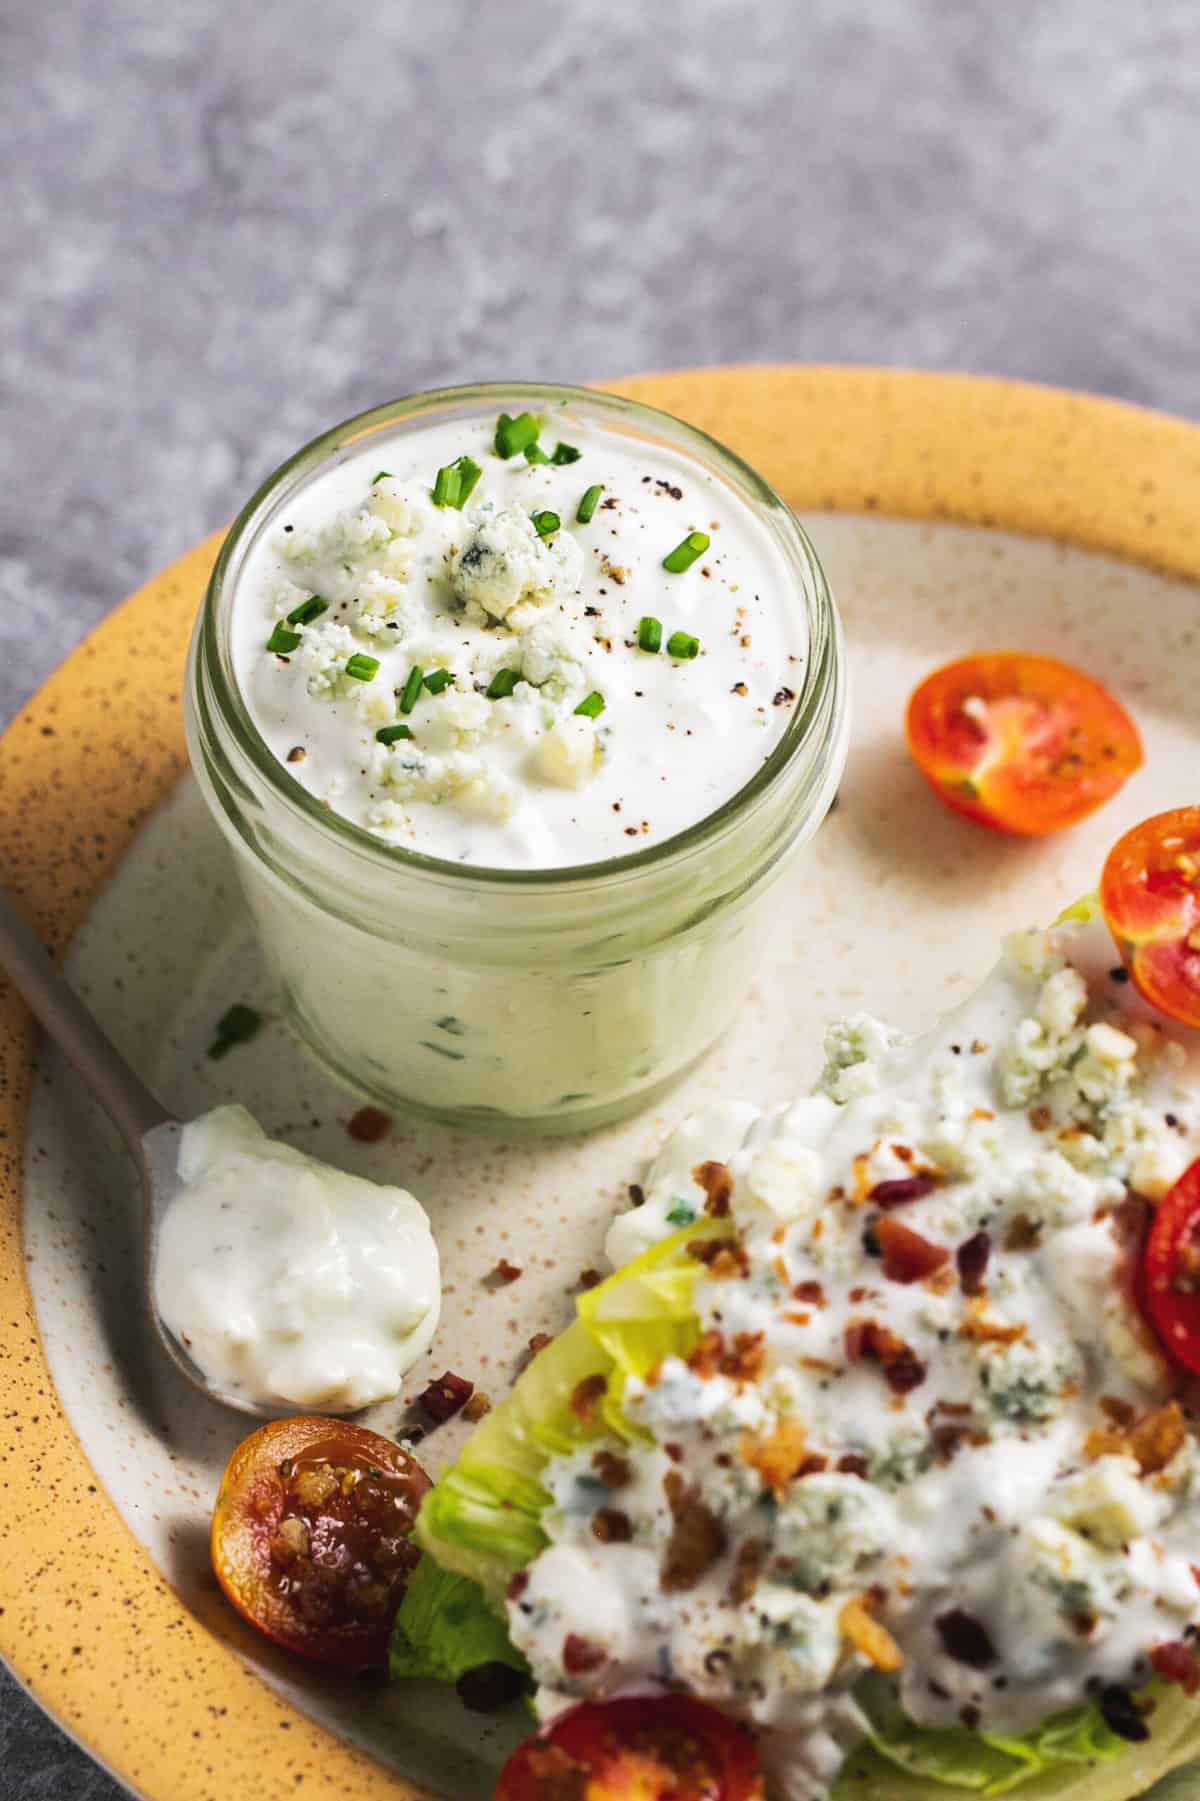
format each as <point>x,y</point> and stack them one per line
<point>536,999</point>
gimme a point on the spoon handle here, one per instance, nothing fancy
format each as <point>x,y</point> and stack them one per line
<point>123,1095</point>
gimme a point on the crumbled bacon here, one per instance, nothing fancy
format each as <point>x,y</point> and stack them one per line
<point>965,1639</point>
<point>725,1258</point>
<point>866,1341</point>
<point>1120,1412</point>
<point>812,1292</point>
<point>907,1257</point>
<point>852,1464</point>
<point>901,1190</point>
<point>613,1471</point>
<point>697,1537</point>
<point>778,1457</point>
<point>1023,1233</point>
<point>980,1330</point>
<point>506,1272</point>
<point>869,1638</point>
<point>369,1125</point>
<point>611,1526</point>
<point>705,1359</point>
<point>1153,1440</point>
<point>971,1258</point>
<point>579,1655</point>
<point>748,1358</point>
<point>747,1567</point>
<point>716,1180</point>
<point>445,1397</point>
<point>586,1397</point>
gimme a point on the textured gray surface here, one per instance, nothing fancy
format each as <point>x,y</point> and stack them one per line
<point>224,229</point>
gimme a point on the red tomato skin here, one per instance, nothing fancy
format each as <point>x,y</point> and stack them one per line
<point>599,1741</point>
<point>1174,1314</point>
<point>1054,744</point>
<point>1150,895</point>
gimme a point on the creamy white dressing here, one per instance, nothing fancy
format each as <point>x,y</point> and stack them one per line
<point>287,1280</point>
<point>519,778</point>
<point>972,1488</point>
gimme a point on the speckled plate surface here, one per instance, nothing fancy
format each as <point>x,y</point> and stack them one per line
<point>916,490</point>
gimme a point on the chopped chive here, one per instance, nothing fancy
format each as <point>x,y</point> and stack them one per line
<point>391,734</point>
<point>446,485</point>
<point>410,693</point>
<point>469,473</point>
<point>238,1025</point>
<point>587,505</point>
<point>437,680</point>
<point>681,1214</point>
<point>308,610</point>
<point>281,640</point>
<point>685,554</point>
<point>361,668</point>
<point>381,475</point>
<point>683,646</point>
<point>503,683</point>
<point>565,453</point>
<point>650,633</point>
<point>515,435</point>
<point>535,454</point>
<point>545,524</point>
<point>592,705</point>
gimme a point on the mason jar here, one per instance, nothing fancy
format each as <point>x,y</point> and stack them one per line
<point>544,1000</point>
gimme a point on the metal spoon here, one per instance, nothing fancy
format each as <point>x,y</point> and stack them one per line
<point>147,1128</point>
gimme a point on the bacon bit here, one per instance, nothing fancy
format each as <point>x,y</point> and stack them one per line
<point>1131,1220</point>
<point>851,1464</point>
<point>821,1365</point>
<point>1156,1439</point>
<point>986,1331</point>
<point>1041,1118</point>
<point>697,1538</point>
<point>675,1452</point>
<point>778,1457</point>
<point>1121,1413</point>
<point>1176,1662</point>
<point>445,1397</point>
<point>781,1270</point>
<point>798,1319</point>
<point>747,1567</point>
<point>506,1272</point>
<point>965,1639</point>
<point>537,1343</point>
<point>869,1638</point>
<point>971,1258</point>
<point>579,1655</point>
<point>517,1586</point>
<point>899,1192</point>
<point>982,1113</point>
<point>369,1125</point>
<point>858,1295</point>
<point>717,1182</point>
<point>748,1358</point>
<point>611,1526</point>
<point>589,1278</point>
<point>586,1397</point>
<point>705,1360</point>
<point>811,1292</point>
<point>613,1471</point>
<point>726,1261</point>
<point>1023,1234</point>
<point>907,1257</point>
<point>477,1407</point>
<point>868,1341</point>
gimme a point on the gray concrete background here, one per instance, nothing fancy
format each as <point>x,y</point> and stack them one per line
<point>225,227</point>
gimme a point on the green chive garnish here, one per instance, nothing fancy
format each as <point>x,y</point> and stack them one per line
<point>455,482</point>
<point>588,504</point>
<point>681,1214</point>
<point>361,668</point>
<point>650,633</point>
<point>410,693</point>
<point>503,683</point>
<point>308,610</point>
<point>592,706</point>
<point>391,734</point>
<point>685,554</point>
<point>514,435</point>
<point>437,680</point>
<point>535,454</point>
<point>238,1025</point>
<point>382,475</point>
<point>545,523</point>
<point>282,641</point>
<point>566,453</point>
<point>469,473</point>
<point>683,646</point>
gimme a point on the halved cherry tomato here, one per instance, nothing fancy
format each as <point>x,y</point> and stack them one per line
<point>1023,744</point>
<point>1169,1285</point>
<point>310,1536</point>
<point>638,1748</point>
<point>1150,893</point>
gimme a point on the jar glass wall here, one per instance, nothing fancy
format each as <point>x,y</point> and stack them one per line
<point>544,999</point>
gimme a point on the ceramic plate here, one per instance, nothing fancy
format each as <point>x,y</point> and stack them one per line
<point>951,514</point>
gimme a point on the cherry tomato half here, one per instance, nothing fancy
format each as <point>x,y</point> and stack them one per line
<point>1150,893</point>
<point>638,1748</point>
<point>1169,1287</point>
<point>1022,744</point>
<point>310,1537</point>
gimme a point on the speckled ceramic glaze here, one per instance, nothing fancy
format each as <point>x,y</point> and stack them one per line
<point>108,1464</point>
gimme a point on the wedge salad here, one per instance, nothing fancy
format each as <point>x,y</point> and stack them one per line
<point>869,1447</point>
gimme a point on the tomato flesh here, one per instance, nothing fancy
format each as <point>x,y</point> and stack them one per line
<point>1022,744</point>
<point>1169,1287</point>
<point>310,1536</point>
<point>660,1748</point>
<point>1150,893</point>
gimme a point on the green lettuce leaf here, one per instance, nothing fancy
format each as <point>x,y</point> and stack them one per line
<point>445,1627</point>
<point>482,1519</point>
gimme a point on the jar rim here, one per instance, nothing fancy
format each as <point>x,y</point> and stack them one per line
<point>211,647</point>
